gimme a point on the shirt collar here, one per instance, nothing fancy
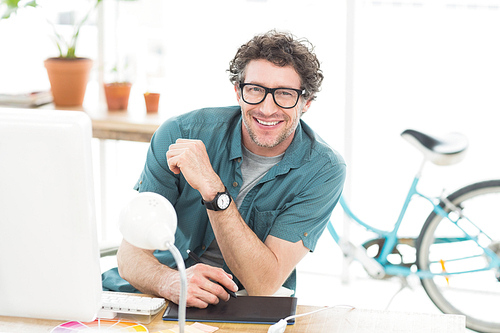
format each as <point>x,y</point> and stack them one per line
<point>235,141</point>
<point>296,154</point>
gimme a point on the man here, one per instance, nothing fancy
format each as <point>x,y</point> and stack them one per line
<point>252,185</point>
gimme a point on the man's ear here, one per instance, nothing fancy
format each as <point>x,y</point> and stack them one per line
<point>306,106</point>
<point>237,91</point>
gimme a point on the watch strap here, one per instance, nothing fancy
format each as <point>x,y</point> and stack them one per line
<point>212,205</point>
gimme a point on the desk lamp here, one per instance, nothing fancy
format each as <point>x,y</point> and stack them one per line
<point>149,222</point>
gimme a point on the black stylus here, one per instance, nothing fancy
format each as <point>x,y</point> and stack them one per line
<point>198,261</point>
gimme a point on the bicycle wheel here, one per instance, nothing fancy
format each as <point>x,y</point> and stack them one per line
<point>443,248</point>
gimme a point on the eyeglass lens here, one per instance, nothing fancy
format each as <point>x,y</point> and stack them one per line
<point>285,98</point>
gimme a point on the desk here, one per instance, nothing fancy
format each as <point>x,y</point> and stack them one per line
<point>337,320</point>
<point>116,125</point>
<point>119,125</point>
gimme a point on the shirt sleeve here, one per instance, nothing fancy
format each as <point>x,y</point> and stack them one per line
<point>305,218</point>
<point>156,176</point>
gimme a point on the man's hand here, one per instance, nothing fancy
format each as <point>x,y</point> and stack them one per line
<point>141,268</point>
<point>201,290</point>
<point>190,157</point>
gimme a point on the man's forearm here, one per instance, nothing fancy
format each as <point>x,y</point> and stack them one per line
<point>142,270</point>
<point>255,265</point>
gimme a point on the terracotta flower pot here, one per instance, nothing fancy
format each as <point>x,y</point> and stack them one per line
<point>117,95</point>
<point>152,100</point>
<point>68,79</point>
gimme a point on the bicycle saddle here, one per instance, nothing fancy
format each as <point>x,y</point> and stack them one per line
<point>445,150</point>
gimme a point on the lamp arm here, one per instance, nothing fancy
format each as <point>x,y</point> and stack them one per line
<point>179,261</point>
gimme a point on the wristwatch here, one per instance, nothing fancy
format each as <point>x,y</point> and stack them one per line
<point>220,202</point>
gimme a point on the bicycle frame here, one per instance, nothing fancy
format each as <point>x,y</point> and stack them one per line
<point>391,239</point>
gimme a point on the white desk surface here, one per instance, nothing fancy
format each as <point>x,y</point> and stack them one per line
<point>337,320</point>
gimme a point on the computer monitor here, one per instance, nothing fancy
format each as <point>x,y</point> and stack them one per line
<point>49,254</point>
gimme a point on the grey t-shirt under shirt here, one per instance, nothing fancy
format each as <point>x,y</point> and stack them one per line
<point>253,168</point>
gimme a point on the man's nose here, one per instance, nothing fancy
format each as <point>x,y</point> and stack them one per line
<point>268,105</point>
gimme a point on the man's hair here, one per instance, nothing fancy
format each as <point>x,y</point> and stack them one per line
<point>282,49</point>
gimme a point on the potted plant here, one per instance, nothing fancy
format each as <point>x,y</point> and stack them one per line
<point>117,95</point>
<point>68,74</point>
<point>152,100</point>
<point>117,90</point>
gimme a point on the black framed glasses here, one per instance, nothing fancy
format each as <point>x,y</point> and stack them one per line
<point>285,98</point>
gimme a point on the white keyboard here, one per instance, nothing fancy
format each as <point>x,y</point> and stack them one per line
<point>114,303</point>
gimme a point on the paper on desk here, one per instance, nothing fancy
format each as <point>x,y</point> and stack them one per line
<point>187,329</point>
<point>193,328</point>
<point>205,328</point>
<point>375,321</point>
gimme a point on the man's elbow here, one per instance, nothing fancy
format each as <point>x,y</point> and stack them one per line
<point>124,259</point>
<point>122,266</point>
<point>264,288</point>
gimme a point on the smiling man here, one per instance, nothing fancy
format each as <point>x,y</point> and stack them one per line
<point>253,186</point>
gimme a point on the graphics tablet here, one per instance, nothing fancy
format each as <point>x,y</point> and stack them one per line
<point>244,309</point>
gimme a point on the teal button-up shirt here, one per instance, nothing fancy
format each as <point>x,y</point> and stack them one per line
<point>293,201</point>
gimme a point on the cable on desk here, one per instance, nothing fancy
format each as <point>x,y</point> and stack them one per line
<point>280,326</point>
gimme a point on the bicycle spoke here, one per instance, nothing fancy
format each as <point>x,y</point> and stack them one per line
<point>461,255</point>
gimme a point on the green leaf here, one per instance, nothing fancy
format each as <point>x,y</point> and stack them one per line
<point>13,6</point>
<point>11,3</point>
<point>31,4</point>
<point>8,13</point>
<point>71,53</point>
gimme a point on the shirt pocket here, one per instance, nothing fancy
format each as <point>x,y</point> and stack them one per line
<point>262,222</point>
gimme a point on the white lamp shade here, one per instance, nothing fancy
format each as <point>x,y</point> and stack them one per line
<point>148,221</point>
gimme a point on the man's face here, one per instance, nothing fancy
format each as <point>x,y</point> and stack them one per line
<point>268,129</point>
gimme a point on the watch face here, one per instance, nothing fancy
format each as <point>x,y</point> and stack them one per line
<point>223,201</point>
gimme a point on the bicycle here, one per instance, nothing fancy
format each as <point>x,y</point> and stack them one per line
<point>458,248</point>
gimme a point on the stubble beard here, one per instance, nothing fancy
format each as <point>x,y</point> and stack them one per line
<point>273,142</point>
